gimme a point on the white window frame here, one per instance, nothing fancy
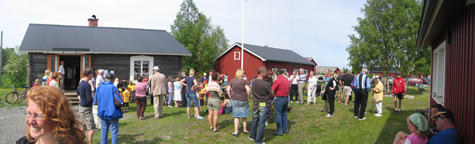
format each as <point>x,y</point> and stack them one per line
<point>140,58</point>
<point>438,73</point>
<point>239,55</point>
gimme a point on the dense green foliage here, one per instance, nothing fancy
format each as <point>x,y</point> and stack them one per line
<point>15,67</point>
<point>387,38</point>
<point>194,31</point>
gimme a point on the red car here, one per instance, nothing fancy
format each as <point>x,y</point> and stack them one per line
<point>413,81</point>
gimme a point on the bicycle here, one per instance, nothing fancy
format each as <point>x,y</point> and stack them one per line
<point>13,96</point>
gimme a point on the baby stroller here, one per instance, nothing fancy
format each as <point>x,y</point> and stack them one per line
<point>319,90</point>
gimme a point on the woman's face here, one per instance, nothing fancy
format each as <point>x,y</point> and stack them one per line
<point>410,126</point>
<point>36,122</point>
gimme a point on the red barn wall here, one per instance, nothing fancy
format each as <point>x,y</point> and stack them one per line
<point>459,70</point>
<point>227,64</point>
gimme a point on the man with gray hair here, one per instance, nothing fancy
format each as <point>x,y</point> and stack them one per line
<point>99,81</point>
<point>159,90</point>
<point>302,79</point>
<point>361,99</point>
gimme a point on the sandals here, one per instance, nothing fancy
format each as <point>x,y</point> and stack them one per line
<point>217,130</point>
<point>235,135</point>
<point>246,132</point>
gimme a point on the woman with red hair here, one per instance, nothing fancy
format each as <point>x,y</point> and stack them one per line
<point>50,119</point>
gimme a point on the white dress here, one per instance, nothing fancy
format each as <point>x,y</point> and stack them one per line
<point>177,91</point>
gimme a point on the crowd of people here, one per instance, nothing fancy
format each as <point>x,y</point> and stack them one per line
<point>102,103</point>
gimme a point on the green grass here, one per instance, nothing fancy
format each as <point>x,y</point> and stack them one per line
<point>307,125</point>
<point>6,88</point>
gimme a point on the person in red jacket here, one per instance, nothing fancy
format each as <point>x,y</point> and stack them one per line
<point>399,90</point>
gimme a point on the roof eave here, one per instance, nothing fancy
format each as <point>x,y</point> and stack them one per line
<point>430,11</point>
<point>91,52</point>
<point>236,44</point>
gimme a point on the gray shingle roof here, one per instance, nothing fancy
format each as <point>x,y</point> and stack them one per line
<point>276,54</point>
<point>61,38</point>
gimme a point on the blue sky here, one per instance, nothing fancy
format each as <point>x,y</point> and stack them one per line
<point>311,28</point>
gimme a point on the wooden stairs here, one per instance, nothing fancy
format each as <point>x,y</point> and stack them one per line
<point>72,97</point>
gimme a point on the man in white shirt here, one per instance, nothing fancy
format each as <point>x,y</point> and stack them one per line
<point>99,81</point>
<point>61,76</point>
<point>293,87</point>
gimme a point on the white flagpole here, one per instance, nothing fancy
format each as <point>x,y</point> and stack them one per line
<point>242,35</point>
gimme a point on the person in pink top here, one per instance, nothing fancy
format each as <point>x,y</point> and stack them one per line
<point>141,98</point>
<point>419,128</point>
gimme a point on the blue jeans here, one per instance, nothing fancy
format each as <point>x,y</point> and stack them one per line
<point>190,97</point>
<point>170,98</point>
<point>259,117</point>
<point>281,121</point>
<point>113,125</point>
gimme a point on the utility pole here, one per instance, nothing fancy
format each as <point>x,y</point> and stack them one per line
<point>1,53</point>
<point>242,35</point>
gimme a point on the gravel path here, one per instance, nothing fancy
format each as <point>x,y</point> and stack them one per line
<point>12,124</point>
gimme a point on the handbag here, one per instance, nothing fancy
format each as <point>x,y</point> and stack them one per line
<point>117,102</point>
<point>324,97</point>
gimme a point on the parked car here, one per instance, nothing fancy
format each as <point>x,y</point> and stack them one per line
<point>413,81</point>
<point>426,80</point>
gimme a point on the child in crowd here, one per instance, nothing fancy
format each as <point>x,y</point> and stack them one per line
<point>125,97</point>
<point>226,106</point>
<point>131,88</point>
<point>37,82</point>
<point>177,92</point>
<point>418,126</point>
<point>170,91</point>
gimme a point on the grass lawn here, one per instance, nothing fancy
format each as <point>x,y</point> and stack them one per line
<point>307,125</point>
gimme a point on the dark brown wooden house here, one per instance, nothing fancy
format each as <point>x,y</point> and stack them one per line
<point>126,51</point>
<point>448,28</point>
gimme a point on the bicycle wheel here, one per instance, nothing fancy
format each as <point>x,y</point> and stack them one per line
<point>11,97</point>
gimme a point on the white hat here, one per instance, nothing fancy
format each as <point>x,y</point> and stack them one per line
<point>204,74</point>
<point>156,68</point>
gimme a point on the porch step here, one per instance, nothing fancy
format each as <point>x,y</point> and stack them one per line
<point>72,97</point>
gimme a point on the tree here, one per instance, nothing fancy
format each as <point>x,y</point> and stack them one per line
<point>15,69</point>
<point>194,31</point>
<point>387,37</point>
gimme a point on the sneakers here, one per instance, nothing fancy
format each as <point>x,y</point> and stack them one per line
<point>329,115</point>
<point>291,101</point>
<point>200,118</point>
<point>378,115</point>
<point>364,118</point>
<point>251,139</point>
<point>170,106</point>
<point>356,117</point>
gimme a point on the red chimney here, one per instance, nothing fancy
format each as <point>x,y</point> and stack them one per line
<point>93,21</point>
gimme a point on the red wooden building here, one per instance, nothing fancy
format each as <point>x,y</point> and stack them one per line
<point>448,27</point>
<point>255,56</point>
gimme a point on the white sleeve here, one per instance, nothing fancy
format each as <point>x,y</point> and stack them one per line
<point>407,141</point>
<point>334,84</point>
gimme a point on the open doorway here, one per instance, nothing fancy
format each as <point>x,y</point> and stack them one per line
<point>72,71</point>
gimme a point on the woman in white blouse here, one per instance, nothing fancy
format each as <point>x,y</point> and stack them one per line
<point>312,82</point>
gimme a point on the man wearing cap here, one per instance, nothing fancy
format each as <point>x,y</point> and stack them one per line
<point>159,89</point>
<point>302,79</point>
<point>204,78</point>
<point>446,125</point>
<point>281,89</point>
<point>399,89</point>
<point>107,111</point>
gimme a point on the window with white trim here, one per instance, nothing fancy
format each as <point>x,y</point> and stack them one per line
<point>438,74</point>
<point>140,66</point>
<point>237,55</point>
